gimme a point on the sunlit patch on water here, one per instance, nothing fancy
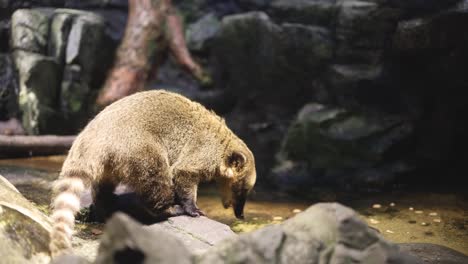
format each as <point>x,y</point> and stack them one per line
<point>403,217</point>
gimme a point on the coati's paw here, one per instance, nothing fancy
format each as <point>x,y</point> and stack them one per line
<point>193,211</point>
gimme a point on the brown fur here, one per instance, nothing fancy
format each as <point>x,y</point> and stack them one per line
<point>161,145</point>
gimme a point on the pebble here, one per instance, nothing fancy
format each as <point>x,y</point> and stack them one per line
<point>411,208</point>
<point>389,231</point>
<point>392,204</point>
<point>377,206</point>
<point>373,221</point>
<point>433,214</point>
<point>277,218</point>
<point>419,212</point>
<point>437,220</point>
<point>296,211</point>
<point>424,224</point>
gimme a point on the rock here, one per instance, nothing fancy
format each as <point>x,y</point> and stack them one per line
<point>324,233</point>
<point>363,29</point>
<point>430,35</point>
<point>255,52</point>
<point>124,240</point>
<point>84,4</point>
<point>321,12</point>
<point>30,30</point>
<point>5,35</point>
<point>254,4</point>
<point>38,78</point>
<point>115,21</point>
<point>8,88</point>
<point>336,145</point>
<point>432,254</point>
<point>60,28</point>
<point>422,5</point>
<point>354,84</point>
<point>86,34</point>
<point>198,234</point>
<point>24,230</point>
<point>201,33</point>
<point>75,97</point>
<point>73,51</point>
<point>269,69</point>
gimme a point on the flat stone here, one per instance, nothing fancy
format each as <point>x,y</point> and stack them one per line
<point>198,234</point>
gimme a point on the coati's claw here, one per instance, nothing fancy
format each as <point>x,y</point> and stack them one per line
<point>193,211</point>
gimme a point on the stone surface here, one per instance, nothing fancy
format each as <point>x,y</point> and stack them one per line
<point>60,66</point>
<point>38,79</point>
<point>30,30</point>
<point>24,230</point>
<point>201,33</point>
<point>60,28</point>
<point>337,146</point>
<point>254,4</point>
<point>269,69</point>
<point>432,254</point>
<point>324,233</point>
<point>198,234</point>
<point>317,12</point>
<point>8,88</point>
<point>124,240</point>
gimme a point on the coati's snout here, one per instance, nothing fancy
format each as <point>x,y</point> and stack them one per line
<point>237,182</point>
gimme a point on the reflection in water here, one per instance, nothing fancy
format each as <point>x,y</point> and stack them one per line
<point>438,218</point>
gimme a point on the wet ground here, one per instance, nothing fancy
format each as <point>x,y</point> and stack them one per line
<point>401,216</point>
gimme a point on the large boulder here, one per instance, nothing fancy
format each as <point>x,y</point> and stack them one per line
<point>39,85</point>
<point>329,145</point>
<point>61,58</point>
<point>321,12</point>
<point>275,63</point>
<point>324,233</point>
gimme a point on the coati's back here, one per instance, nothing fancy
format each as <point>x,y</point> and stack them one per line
<point>137,126</point>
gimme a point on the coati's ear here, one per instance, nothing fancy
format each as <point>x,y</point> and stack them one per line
<point>237,160</point>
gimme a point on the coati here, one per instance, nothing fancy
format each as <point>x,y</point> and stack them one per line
<point>161,145</point>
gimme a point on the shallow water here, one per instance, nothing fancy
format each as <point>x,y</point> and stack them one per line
<point>403,217</point>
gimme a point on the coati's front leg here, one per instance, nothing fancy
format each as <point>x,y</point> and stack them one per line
<point>186,186</point>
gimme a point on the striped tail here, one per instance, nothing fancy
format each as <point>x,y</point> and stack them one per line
<point>66,203</point>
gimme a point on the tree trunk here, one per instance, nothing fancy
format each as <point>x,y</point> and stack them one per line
<point>144,35</point>
<point>132,63</point>
<point>16,146</point>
